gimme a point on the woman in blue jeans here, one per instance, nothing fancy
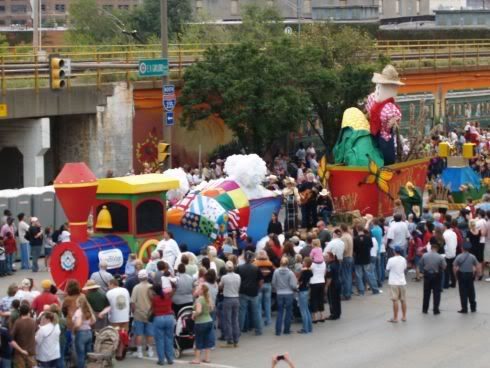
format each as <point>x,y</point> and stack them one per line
<point>265,293</point>
<point>83,319</point>
<point>203,327</point>
<point>304,295</point>
<point>285,284</point>
<point>163,324</point>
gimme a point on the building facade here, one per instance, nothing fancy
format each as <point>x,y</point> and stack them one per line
<point>404,8</point>
<point>478,4</point>
<point>53,12</point>
<point>346,10</point>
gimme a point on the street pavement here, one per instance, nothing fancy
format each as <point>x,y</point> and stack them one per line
<point>361,338</point>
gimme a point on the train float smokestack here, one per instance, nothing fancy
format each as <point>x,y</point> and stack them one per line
<point>76,187</point>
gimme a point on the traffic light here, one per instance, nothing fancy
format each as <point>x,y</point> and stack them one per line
<point>163,151</point>
<point>57,72</point>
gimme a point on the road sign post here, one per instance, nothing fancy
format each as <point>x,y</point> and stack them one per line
<point>153,68</point>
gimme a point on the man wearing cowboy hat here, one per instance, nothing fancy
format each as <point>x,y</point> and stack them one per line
<point>384,114</point>
<point>98,301</point>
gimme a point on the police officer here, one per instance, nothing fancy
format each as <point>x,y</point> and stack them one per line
<point>465,268</point>
<point>432,265</point>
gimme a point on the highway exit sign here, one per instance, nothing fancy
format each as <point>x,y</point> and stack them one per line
<point>153,68</point>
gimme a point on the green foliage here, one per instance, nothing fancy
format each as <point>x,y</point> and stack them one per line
<point>258,93</point>
<point>146,18</point>
<point>89,24</point>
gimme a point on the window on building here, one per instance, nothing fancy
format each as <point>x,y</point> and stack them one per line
<point>2,22</point>
<point>417,7</point>
<point>60,8</point>
<point>2,8</point>
<point>343,2</point>
<point>234,7</point>
<point>397,7</point>
<point>43,7</point>
<point>306,6</point>
<point>18,8</point>
<point>123,7</point>
<point>380,6</point>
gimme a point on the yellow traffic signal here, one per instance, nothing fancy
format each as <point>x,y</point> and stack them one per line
<point>163,151</point>
<point>56,72</point>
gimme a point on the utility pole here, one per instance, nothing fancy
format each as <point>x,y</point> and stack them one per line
<point>167,130</point>
<point>298,14</point>
<point>36,40</point>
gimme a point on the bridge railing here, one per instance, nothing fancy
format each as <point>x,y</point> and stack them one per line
<point>100,64</point>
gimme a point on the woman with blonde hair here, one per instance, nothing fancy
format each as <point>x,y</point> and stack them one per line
<point>83,319</point>
<point>203,326</point>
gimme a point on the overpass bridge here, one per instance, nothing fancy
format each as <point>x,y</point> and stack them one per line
<point>111,119</point>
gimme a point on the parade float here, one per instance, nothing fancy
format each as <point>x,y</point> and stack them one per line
<point>371,169</point>
<point>130,218</point>
<point>237,204</point>
<point>458,181</point>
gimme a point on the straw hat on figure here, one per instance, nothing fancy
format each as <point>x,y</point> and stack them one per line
<point>384,114</point>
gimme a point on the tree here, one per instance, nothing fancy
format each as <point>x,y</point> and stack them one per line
<point>146,18</point>
<point>90,24</point>
<point>347,61</point>
<point>258,93</point>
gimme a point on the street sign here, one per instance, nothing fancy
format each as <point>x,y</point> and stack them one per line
<point>3,111</point>
<point>170,119</point>
<point>169,105</point>
<point>153,68</point>
<point>168,89</point>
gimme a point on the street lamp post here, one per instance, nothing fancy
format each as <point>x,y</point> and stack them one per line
<point>164,34</point>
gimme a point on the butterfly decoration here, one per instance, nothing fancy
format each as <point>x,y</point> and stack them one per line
<point>379,176</point>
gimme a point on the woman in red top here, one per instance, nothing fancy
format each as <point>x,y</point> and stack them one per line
<point>275,245</point>
<point>429,232</point>
<point>163,324</point>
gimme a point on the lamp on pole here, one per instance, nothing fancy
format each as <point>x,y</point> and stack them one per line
<point>164,34</point>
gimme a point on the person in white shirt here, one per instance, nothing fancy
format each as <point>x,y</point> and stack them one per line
<point>336,246</point>
<point>170,249</point>
<point>398,234</point>
<point>396,267</point>
<point>25,292</point>
<point>64,237</point>
<point>119,307</point>
<point>48,341</point>
<point>481,226</point>
<point>24,243</point>
<point>451,244</point>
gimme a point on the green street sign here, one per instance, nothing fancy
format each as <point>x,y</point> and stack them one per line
<point>153,68</point>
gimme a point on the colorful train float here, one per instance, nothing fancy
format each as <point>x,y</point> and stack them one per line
<point>130,213</point>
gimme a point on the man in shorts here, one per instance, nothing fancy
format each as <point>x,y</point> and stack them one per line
<point>396,267</point>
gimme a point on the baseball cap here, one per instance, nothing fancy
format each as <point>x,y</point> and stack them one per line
<point>294,239</point>
<point>398,249</point>
<point>467,245</point>
<point>46,284</point>
<point>143,274</point>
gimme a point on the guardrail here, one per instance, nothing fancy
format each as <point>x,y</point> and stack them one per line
<point>100,64</point>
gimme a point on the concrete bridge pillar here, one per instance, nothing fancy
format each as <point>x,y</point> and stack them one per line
<point>32,138</point>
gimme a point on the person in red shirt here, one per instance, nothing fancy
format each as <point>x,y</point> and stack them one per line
<point>164,324</point>
<point>10,248</point>
<point>45,298</point>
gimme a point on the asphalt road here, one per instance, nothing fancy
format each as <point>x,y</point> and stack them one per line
<point>362,337</point>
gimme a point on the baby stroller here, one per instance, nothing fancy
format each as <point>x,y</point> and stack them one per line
<point>184,331</point>
<point>105,346</point>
